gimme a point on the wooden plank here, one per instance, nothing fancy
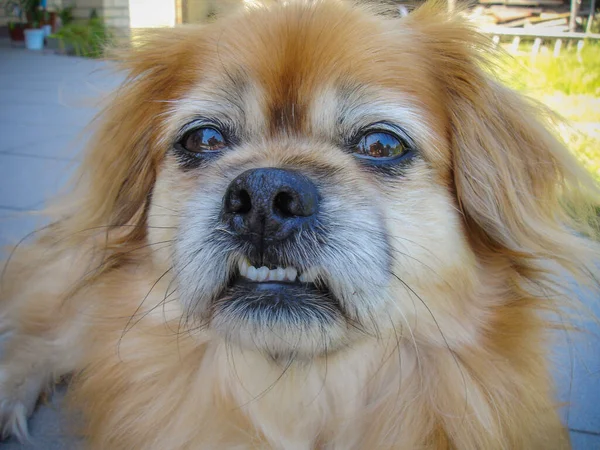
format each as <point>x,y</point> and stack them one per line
<point>502,9</point>
<point>507,20</point>
<point>535,23</point>
<point>538,32</point>
<point>549,17</point>
<point>522,2</point>
<point>552,15</point>
<point>514,23</point>
<point>552,23</point>
<point>507,16</point>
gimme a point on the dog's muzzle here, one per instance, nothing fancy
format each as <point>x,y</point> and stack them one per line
<point>268,209</point>
<point>268,206</point>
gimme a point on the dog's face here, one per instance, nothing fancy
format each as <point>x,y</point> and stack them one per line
<point>308,169</point>
<point>317,168</point>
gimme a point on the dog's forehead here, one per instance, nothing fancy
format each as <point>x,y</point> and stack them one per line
<point>293,61</point>
<point>312,69</point>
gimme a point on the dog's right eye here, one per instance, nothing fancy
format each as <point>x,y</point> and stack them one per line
<point>381,145</point>
<point>203,140</point>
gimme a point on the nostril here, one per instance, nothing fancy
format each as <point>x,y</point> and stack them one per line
<point>286,205</point>
<point>269,204</point>
<point>239,202</point>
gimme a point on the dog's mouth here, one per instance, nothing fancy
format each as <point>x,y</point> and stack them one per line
<point>285,275</point>
<point>270,295</point>
<point>282,311</point>
<point>276,285</point>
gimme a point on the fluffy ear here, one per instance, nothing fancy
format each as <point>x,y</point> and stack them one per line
<point>119,167</point>
<point>513,178</point>
<point>521,192</point>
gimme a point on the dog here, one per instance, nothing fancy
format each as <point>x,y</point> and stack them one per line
<point>305,226</point>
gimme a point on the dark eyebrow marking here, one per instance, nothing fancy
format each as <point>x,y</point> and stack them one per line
<point>234,90</point>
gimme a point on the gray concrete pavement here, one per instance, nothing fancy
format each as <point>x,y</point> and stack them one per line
<point>45,103</point>
<point>44,107</point>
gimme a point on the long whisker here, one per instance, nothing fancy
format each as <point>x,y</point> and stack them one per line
<point>127,325</point>
<point>14,249</point>
<point>452,353</point>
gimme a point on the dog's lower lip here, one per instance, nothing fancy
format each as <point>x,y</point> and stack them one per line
<point>291,299</point>
<point>280,286</point>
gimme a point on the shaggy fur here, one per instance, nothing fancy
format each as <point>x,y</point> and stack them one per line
<point>443,271</point>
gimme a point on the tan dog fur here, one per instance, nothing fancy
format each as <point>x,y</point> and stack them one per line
<point>455,352</point>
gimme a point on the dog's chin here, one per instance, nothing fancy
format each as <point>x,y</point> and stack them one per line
<point>282,319</point>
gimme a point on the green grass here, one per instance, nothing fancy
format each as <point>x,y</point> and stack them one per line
<point>569,85</point>
<point>570,74</point>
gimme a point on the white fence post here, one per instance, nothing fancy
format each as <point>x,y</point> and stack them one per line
<point>514,48</point>
<point>557,46</point>
<point>536,48</point>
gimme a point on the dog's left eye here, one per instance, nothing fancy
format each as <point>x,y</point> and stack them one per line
<point>203,140</point>
<point>380,145</point>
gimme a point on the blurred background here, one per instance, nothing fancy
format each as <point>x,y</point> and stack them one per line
<point>51,72</point>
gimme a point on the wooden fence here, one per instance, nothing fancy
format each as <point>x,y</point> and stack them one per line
<point>539,36</point>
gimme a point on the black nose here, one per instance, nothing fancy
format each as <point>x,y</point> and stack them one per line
<point>268,205</point>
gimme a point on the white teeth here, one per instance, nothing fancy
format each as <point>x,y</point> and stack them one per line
<point>262,274</point>
<point>252,273</point>
<point>308,276</point>
<point>279,274</point>
<point>243,267</point>
<point>290,273</point>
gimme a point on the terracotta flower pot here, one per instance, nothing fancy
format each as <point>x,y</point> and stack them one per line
<point>16,31</point>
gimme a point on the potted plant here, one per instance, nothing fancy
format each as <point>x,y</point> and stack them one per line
<point>17,9</point>
<point>84,38</point>
<point>32,11</point>
<point>16,31</point>
<point>63,17</point>
<point>34,34</point>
